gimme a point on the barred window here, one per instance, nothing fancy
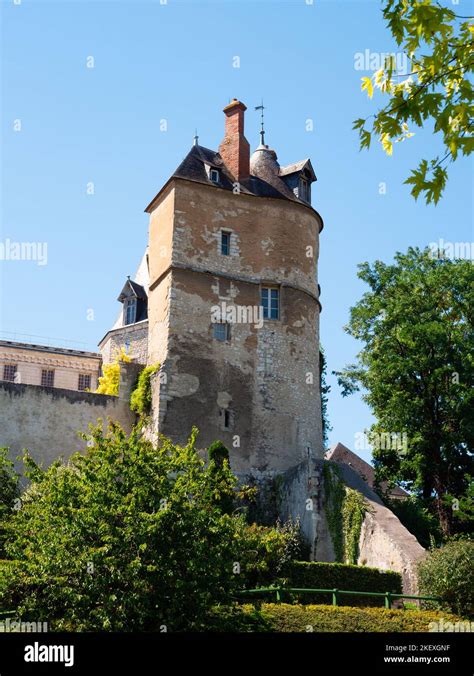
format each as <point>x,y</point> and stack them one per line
<point>47,378</point>
<point>9,372</point>
<point>84,382</point>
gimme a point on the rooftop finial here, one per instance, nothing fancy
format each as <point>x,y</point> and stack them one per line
<point>262,130</point>
<point>196,138</point>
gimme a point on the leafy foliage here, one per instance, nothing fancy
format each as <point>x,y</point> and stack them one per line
<point>440,47</point>
<point>110,379</point>
<point>9,491</point>
<point>417,367</point>
<point>417,519</point>
<point>324,389</point>
<point>141,397</point>
<point>448,572</point>
<point>345,509</point>
<point>130,536</point>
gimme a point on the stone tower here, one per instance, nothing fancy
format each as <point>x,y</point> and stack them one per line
<point>233,303</point>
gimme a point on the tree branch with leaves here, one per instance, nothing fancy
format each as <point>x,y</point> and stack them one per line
<point>440,46</point>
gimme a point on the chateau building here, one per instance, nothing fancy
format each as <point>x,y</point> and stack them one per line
<point>226,300</point>
<point>33,364</point>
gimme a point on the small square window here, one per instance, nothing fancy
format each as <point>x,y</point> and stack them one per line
<point>270,301</point>
<point>84,382</point>
<point>9,372</point>
<point>225,243</point>
<point>47,378</point>
<point>221,331</point>
<point>214,175</point>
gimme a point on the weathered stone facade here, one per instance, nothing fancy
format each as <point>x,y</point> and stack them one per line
<point>266,377</point>
<point>133,339</point>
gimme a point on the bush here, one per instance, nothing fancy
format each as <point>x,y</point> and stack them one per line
<point>218,453</point>
<point>448,572</point>
<point>344,576</point>
<point>282,617</point>
<point>268,551</point>
<point>109,381</point>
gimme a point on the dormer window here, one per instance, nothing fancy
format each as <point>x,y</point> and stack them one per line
<point>130,310</point>
<point>135,303</point>
<point>214,175</point>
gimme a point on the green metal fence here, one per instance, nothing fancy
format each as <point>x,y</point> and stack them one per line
<point>388,597</point>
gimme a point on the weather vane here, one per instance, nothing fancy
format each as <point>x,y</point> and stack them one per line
<point>196,137</point>
<point>262,130</point>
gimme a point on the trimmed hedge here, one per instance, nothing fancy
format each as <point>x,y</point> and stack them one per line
<point>316,575</point>
<point>281,617</point>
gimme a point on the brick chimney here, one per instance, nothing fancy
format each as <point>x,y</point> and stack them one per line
<point>235,149</point>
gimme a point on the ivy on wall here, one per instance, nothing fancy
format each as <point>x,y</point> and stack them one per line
<point>345,510</point>
<point>141,397</point>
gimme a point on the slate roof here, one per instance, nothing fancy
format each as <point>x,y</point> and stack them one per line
<point>137,289</point>
<point>193,168</point>
<point>298,166</point>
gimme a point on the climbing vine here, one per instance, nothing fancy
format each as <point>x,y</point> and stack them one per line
<point>335,493</point>
<point>353,512</point>
<point>140,400</point>
<point>345,511</point>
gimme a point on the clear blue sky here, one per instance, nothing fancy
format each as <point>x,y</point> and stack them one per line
<point>175,62</point>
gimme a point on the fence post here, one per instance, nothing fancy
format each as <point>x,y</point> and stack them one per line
<point>388,600</point>
<point>334,597</point>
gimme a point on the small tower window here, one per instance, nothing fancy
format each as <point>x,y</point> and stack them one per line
<point>130,311</point>
<point>226,418</point>
<point>221,331</point>
<point>225,243</point>
<point>270,301</point>
<point>214,175</point>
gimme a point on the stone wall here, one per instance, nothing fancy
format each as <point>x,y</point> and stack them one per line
<point>46,420</point>
<point>132,338</point>
<point>384,541</point>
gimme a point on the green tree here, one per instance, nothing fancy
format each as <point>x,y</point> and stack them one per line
<point>440,46</point>
<point>448,572</point>
<point>9,492</point>
<point>130,536</point>
<point>417,368</point>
